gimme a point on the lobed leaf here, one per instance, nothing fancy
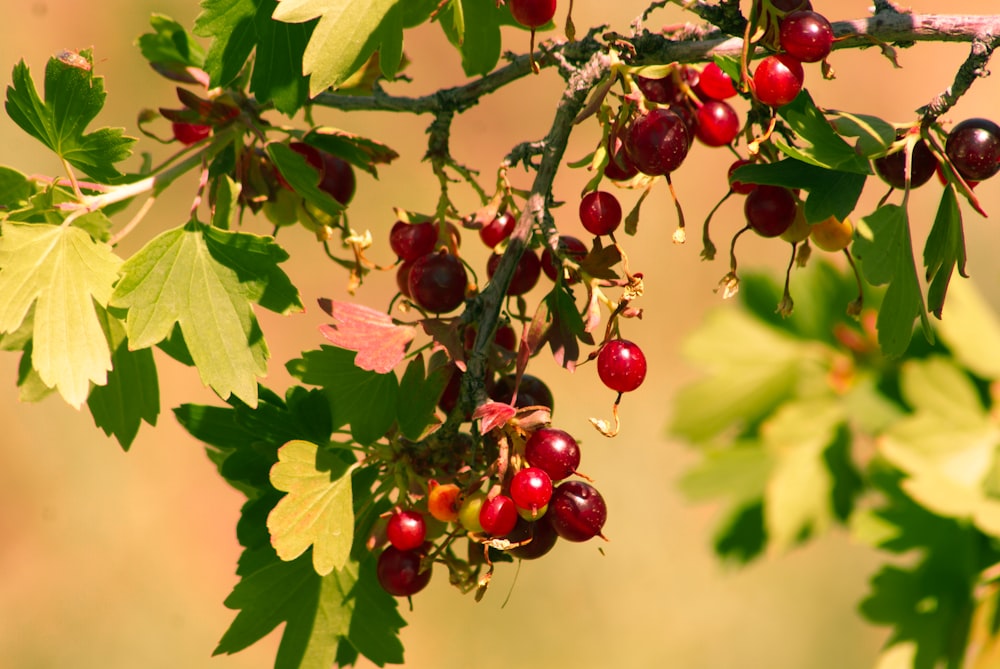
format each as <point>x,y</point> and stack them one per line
<point>73,98</point>
<point>317,510</point>
<point>61,273</point>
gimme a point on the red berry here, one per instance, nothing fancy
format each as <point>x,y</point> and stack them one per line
<point>778,79</point>
<point>532,13</point>
<point>403,277</point>
<point>658,141</point>
<point>718,123</point>
<point>738,186</point>
<point>577,511</point>
<point>526,274</point>
<point>892,167</point>
<point>498,515</point>
<point>497,230</point>
<point>973,146</point>
<point>666,89</point>
<point>532,392</point>
<point>541,533</point>
<point>807,36</point>
<point>600,212</point>
<point>437,282</point>
<point>336,176</point>
<point>190,133</point>
<point>715,84</point>
<point>553,451</point>
<point>531,489</point>
<point>410,241</point>
<point>406,530</point>
<point>399,572</point>
<point>620,167</point>
<point>621,365</point>
<point>770,210</point>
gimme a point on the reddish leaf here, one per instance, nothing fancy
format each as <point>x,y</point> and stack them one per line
<point>379,342</point>
<point>446,336</point>
<point>493,414</point>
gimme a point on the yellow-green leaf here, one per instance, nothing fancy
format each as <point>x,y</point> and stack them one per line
<point>317,511</point>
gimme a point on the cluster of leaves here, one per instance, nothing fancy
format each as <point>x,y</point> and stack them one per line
<point>806,426</point>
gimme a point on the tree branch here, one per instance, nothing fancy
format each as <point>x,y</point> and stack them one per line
<point>652,48</point>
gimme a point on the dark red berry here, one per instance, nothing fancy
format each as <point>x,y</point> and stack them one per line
<point>718,123</point>
<point>497,230</point>
<point>667,90</point>
<point>570,247</point>
<point>620,167</point>
<point>437,282</point>
<point>553,451</point>
<point>532,13</point>
<point>449,396</point>
<point>336,176</point>
<point>600,212</point>
<point>406,530</point>
<point>621,365</point>
<point>410,241</point>
<point>403,277</point>
<point>398,572</point>
<point>190,133</point>
<point>973,146</point>
<point>498,515</point>
<point>531,489</point>
<point>770,210</point>
<point>658,141</point>
<point>738,186</point>
<point>577,511</point>
<point>541,534</point>
<point>714,84</point>
<point>892,168</point>
<point>778,79</point>
<point>532,392</point>
<point>526,274</point>
<point>806,36</point>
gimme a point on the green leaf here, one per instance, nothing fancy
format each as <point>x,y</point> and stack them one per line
<point>945,247</point>
<point>874,135</point>
<point>947,446</point>
<point>418,397</point>
<point>359,151</point>
<point>311,606</point>
<point>15,189</point>
<point>348,32</point>
<point>73,98</point>
<point>364,400</point>
<point>831,192</point>
<point>224,203</point>
<point>739,472</point>
<point>375,623</point>
<point>477,35</point>
<point>302,177</point>
<point>205,280</point>
<point>232,26</point>
<point>886,253</point>
<point>752,368</point>
<point>63,273</point>
<point>317,511</point>
<point>972,330</point>
<point>818,143</point>
<point>277,69</point>
<point>131,394</point>
<point>43,207</point>
<point>799,494</point>
<point>170,43</point>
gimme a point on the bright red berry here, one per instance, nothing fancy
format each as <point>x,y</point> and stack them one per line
<point>497,230</point>
<point>778,79</point>
<point>718,124</point>
<point>406,530</point>
<point>715,84</point>
<point>621,365</point>
<point>807,36</point>
<point>190,133</point>
<point>498,515</point>
<point>531,489</point>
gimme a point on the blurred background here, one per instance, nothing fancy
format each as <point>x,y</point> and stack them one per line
<point>113,560</point>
